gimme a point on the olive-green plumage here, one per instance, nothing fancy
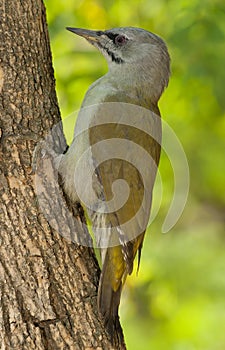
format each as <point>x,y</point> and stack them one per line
<point>138,73</point>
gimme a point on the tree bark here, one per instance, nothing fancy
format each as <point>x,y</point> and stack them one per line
<point>48,283</point>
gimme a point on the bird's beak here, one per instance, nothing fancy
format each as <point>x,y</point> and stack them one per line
<point>91,35</point>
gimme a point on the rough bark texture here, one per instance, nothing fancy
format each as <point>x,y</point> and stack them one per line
<point>48,284</point>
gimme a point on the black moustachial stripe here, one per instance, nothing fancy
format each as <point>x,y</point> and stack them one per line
<point>114,58</point>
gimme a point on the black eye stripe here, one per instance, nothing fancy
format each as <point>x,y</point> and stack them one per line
<point>118,39</point>
<point>99,32</point>
<point>111,36</point>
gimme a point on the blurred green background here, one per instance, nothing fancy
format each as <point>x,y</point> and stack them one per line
<point>177,300</point>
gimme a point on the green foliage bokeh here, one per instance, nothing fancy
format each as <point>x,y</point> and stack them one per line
<point>177,300</point>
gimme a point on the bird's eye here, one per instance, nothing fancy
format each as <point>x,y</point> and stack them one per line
<point>120,39</point>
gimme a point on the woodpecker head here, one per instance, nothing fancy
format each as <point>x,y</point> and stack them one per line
<point>142,52</point>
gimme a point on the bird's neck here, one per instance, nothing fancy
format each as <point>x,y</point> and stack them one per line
<point>142,84</point>
<point>126,84</point>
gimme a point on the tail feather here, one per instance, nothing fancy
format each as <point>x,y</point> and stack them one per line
<point>109,293</point>
<point>108,304</point>
<point>117,263</point>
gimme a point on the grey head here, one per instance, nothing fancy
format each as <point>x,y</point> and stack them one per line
<point>134,53</point>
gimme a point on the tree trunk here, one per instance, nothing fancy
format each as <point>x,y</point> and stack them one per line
<point>48,283</point>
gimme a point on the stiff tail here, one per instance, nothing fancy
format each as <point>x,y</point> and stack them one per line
<point>108,304</point>
<point>117,263</point>
<point>109,292</point>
